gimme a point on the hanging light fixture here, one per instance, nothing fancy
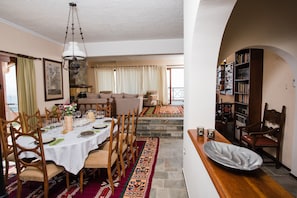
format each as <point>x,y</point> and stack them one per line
<point>73,53</point>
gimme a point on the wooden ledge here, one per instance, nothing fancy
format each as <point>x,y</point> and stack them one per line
<point>231,183</point>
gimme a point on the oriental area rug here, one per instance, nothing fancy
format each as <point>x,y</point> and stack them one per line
<point>163,111</point>
<point>136,183</point>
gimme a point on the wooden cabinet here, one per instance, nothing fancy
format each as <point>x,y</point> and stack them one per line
<point>248,78</point>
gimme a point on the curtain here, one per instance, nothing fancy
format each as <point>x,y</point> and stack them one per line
<point>26,85</point>
<point>129,80</point>
<point>104,79</point>
<point>133,79</point>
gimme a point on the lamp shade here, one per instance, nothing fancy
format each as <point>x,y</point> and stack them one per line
<point>73,51</point>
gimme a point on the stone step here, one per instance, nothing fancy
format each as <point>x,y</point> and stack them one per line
<point>160,127</point>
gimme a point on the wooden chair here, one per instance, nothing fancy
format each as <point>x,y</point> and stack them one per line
<point>32,122</point>
<point>104,158</point>
<point>106,107</point>
<point>53,115</point>
<point>267,133</point>
<point>132,145</point>
<point>124,126</point>
<point>36,169</point>
<point>6,141</point>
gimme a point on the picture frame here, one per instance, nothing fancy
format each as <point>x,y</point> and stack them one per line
<point>53,79</point>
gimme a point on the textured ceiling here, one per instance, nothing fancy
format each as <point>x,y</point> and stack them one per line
<point>101,20</point>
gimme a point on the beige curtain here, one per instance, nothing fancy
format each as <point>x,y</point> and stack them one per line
<point>26,85</point>
<point>104,79</point>
<point>133,79</point>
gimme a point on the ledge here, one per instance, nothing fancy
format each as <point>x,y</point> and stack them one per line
<point>230,183</point>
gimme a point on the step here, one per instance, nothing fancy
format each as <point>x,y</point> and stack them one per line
<point>160,127</point>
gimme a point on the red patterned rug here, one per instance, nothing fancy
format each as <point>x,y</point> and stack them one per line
<point>136,184</point>
<point>163,111</point>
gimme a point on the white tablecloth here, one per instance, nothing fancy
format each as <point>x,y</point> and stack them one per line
<point>73,150</point>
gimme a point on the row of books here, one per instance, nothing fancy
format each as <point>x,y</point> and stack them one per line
<point>242,88</point>
<point>242,58</point>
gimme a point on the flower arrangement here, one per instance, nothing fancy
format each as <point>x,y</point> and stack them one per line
<point>69,109</point>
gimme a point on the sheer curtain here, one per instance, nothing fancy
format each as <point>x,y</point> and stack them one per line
<point>133,79</point>
<point>104,79</point>
<point>26,84</point>
<point>129,79</point>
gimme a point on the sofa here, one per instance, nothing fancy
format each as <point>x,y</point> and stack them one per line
<point>121,103</point>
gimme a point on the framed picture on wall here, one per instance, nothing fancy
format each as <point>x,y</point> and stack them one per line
<point>53,79</point>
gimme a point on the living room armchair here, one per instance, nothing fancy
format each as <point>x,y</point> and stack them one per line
<point>151,98</point>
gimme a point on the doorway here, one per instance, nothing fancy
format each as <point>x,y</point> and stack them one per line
<point>9,96</point>
<point>175,82</point>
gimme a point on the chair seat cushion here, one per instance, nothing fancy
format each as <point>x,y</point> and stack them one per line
<point>99,159</point>
<point>11,157</point>
<point>260,141</point>
<point>34,174</point>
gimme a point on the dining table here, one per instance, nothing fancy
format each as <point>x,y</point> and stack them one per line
<point>70,149</point>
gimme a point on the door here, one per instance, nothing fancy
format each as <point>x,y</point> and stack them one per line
<point>175,82</point>
<point>8,89</point>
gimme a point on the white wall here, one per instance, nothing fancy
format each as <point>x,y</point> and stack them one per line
<point>18,41</point>
<point>278,90</point>
<point>204,24</point>
<point>277,33</point>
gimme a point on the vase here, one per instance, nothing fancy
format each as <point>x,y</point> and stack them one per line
<point>68,123</point>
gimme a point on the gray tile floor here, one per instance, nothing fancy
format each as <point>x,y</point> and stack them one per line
<point>168,180</point>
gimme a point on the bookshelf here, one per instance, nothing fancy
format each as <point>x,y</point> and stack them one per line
<point>248,79</point>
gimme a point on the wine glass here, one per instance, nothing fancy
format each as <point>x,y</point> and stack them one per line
<point>78,114</point>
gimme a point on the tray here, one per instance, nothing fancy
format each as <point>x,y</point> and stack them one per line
<point>233,156</point>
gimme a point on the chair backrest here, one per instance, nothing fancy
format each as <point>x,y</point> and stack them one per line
<point>113,140</point>
<point>53,115</point>
<point>134,121</point>
<point>6,140</point>
<point>274,119</point>
<point>106,107</point>
<point>34,150</point>
<point>32,122</point>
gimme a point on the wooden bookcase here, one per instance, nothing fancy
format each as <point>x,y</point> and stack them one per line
<point>248,79</point>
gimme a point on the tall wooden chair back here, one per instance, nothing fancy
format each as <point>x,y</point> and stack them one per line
<point>132,136</point>
<point>124,126</point>
<point>34,167</point>
<point>267,133</point>
<point>6,141</point>
<point>104,158</point>
<point>53,115</point>
<point>32,122</point>
<point>105,107</point>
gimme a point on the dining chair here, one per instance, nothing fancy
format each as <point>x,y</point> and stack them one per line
<point>105,107</point>
<point>53,115</point>
<point>6,141</point>
<point>124,125</point>
<point>106,159</point>
<point>132,145</point>
<point>32,122</point>
<point>34,168</point>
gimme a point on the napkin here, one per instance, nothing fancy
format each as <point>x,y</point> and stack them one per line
<point>96,130</point>
<point>57,141</point>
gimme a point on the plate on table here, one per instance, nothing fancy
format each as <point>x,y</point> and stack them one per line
<point>108,121</point>
<point>233,156</point>
<point>99,116</point>
<point>87,133</point>
<point>47,140</point>
<point>99,126</point>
